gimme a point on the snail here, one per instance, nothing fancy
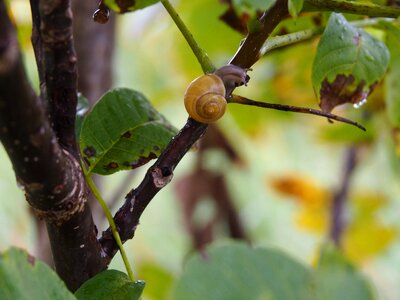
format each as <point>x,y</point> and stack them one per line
<point>205,97</point>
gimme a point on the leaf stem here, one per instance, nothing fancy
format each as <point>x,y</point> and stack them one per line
<point>289,39</point>
<point>304,110</point>
<point>280,41</point>
<point>201,55</point>
<point>368,9</point>
<point>110,219</point>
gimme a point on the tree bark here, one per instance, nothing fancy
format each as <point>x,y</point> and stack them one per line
<point>50,175</point>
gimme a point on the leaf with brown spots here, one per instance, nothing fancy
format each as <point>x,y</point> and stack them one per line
<point>122,132</point>
<point>348,64</point>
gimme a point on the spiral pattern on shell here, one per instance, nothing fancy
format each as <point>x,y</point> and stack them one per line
<point>205,98</point>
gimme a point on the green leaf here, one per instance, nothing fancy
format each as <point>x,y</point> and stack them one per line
<point>236,272</point>
<point>123,131</point>
<point>335,278</point>
<point>392,80</point>
<point>123,6</point>
<point>22,277</point>
<point>110,284</point>
<point>295,7</point>
<point>348,64</point>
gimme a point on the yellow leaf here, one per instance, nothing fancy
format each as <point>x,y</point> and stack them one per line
<point>313,219</point>
<point>314,200</point>
<point>396,140</point>
<point>303,189</point>
<point>366,236</point>
<point>368,203</point>
<point>365,239</point>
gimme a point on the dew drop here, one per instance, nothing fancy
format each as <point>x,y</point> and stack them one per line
<point>102,14</point>
<point>369,56</point>
<point>20,185</point>
<point>359,104</point>
<point>339,21</point>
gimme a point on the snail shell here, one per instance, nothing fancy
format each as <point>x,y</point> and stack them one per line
<point>205,98</point>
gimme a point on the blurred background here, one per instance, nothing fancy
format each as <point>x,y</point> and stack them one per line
<point>267,177</point>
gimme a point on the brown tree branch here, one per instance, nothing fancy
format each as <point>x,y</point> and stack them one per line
<point>76,251</point>
<point>50,176</point>
<point>249,51</point>
<point>59,66</point>
<point>157,176</point>
<point>161,172</point>
<point>25,132</point>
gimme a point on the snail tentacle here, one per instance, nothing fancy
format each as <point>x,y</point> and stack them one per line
<point>232,76</point>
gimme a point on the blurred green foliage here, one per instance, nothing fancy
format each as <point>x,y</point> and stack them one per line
<point>235,271</point>
<point>152,57</point>
<point>22,277</point>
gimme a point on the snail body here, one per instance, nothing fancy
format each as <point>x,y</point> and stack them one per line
<point>232,76</point>
<point>205,97</point>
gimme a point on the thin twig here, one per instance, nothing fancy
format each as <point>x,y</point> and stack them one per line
<point>352,7</point>
<point>340,197</point>
<point>280,41</point>
<point>304,110</point>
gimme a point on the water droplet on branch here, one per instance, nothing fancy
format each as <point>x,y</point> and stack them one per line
<point>102,14</point>
<point>359,104</point>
